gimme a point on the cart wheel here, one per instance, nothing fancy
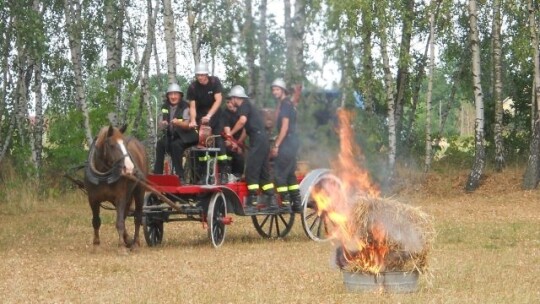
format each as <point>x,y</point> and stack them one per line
<point>272,226</point>
<point>316,224</point>
<point>217,219</point>
<point>152,227</point>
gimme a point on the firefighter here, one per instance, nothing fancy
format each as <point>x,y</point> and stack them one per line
<point>177,135</point>
<point>235,149</point>
<point>257,165</point>
<point>285,148</point>
<point>204,95</point>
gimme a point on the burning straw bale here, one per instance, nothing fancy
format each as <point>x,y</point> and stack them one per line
<point>393,237</point>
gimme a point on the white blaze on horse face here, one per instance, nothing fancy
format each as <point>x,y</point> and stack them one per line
<point>128,164</point>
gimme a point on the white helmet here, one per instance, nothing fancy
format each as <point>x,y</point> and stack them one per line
<point>238,91</point>
<point>280,83</point>
<point>174,87</point>
<point>201,69</point>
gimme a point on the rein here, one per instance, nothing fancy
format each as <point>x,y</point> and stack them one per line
<point>143,181</point>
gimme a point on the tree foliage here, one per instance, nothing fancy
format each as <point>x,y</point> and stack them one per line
<point>345,32</point>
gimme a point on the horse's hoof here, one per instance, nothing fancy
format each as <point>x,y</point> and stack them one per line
<point>95,248</point>
<point>123,251</point>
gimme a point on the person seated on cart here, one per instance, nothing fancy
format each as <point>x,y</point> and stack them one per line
<point>235,145</point>
<point>257,165</point>
<point>177,135</point>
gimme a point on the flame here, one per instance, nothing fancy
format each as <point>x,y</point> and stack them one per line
<point>333,200</point>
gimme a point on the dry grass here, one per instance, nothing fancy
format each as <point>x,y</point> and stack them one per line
<point>487,250</point>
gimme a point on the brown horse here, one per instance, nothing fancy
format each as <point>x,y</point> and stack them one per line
<point>114,162</point>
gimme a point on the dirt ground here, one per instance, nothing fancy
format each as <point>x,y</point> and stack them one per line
<point>487,251</point>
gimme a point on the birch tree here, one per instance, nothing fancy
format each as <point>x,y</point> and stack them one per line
<point>531,178</point>
<point>367,77</point>
<point>74,29</point>
<point>294,35</point>
<point>114,22</point>
<point>479,154</point>
<point>7,122</point>
<point>497,88</point>
<point>37,130</point>
<point>193,16</point>
<point>427,163</point>
<point>248,34</point>
<point>144,75</point>
<point>170,37</point>
<point>389,90</point>
<point>262,89</point>
<point>404,62</point>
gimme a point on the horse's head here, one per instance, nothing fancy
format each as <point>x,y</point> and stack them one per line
<point>111,150</point>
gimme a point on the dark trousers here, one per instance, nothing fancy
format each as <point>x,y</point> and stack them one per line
<point>175,147</point>
<point>285,163</point>
<point>237,163</point>
<point>257,165</point>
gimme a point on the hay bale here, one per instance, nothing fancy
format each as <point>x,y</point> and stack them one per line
<point>395,237</point>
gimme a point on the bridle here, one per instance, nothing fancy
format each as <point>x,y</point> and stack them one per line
<point>109,176</point>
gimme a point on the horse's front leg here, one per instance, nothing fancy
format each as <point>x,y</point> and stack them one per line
<point>137,216</point>
<point>121,225</point>
<point>96,221</point>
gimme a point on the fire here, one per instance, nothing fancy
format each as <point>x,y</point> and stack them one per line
<point>335,201</point>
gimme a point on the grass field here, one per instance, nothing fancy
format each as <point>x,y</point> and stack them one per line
<point>487,250</point>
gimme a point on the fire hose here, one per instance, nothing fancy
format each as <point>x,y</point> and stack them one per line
<point>233,141</point>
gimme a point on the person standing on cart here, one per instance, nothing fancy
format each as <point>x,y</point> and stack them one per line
<point>257,166</point>
<point>204,96</point>
<point>177,135</point>
<point>235,150</point>
<point>285,148</point>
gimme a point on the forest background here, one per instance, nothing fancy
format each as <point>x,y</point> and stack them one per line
<point>432,84</point>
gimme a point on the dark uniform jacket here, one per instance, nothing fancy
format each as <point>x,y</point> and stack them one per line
<point>186,136</point>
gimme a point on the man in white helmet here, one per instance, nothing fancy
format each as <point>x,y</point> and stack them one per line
<point>257,169</point>
<point>285,148</point>
<point>177,135</point>
<point>204,95</point>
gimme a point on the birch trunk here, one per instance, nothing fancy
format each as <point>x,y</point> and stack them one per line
<point>38,129</point>
<point>404,62</point>
<point>294,34</point>
<point>248,35</point>
<point>21,94</point>
<point>497,92</point>
<point>5,139</point>
<point>427,164</point>
<point>367,59</point>
<point>388,85</point>
<point>193,16</point>
<point>128,96</point>
<point>144,75</point>
<point>72,11</point>
<point>114,21</point>
<point>479,155</point>
<point>287,24</point>
<point>531,177</point>
<point>262,90</point>
<point>170,36</point>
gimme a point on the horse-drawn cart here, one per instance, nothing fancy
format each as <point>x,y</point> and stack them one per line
<point>110,175</point>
